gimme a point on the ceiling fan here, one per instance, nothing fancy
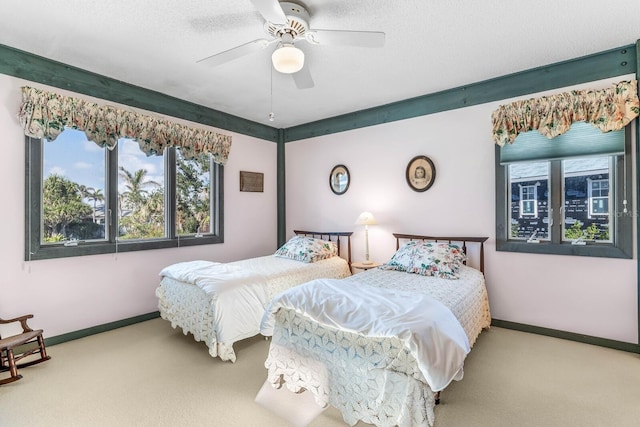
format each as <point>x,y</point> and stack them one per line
<point>288,23</point>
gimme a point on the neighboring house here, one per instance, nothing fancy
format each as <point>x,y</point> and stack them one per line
<point>586,200</point>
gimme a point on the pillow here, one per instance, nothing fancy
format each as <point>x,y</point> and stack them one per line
<point>307,249</point>
<point>436,267</point>
<point>402,260</point>
<point>428,259</point>
<point>446,251</point>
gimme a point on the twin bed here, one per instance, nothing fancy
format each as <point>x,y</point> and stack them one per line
<point>379,346</point>
<point>221,303</point>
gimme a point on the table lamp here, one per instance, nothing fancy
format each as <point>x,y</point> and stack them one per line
<point>366,219</point>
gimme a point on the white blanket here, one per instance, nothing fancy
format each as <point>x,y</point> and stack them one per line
<point>428,328</point>
<point>238,296</point>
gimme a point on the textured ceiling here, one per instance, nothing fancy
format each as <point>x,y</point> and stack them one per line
<point>431,45</point>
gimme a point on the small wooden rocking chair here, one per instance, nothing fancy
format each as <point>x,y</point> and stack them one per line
<point>7,346</point>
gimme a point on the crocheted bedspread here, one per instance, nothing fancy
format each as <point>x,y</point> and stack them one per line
<point>376,380</point>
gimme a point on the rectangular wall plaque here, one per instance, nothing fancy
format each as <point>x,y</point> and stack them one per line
<point>252,181</point>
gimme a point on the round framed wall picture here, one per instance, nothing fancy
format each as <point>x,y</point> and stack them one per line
<point>339,179</point>
<point>421,173</point>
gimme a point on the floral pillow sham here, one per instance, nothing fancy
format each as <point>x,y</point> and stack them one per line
<point>307,249</point>
<point>428,259</point>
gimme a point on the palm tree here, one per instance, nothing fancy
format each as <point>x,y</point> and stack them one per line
<point>136,185</point>
<point>95,195</point>
<point>141,202</point>
<point>84,190</point>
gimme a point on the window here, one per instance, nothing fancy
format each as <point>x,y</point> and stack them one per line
<point>528,200</point>
<point>83,199</point>
<point>598,197</point>
<point>584,178</point>
<point>141,190</point>
<point>568,195</point>
<point>193,196</point>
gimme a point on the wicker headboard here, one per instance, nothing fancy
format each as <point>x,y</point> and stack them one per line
<point>333,236</point>
<point>454,240</point>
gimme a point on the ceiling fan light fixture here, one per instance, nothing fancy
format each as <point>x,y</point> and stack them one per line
<point>288,59</point>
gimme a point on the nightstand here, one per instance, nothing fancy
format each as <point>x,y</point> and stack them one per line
<point>361,266</point>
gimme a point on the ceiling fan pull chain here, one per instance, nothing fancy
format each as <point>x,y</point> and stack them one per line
<point>271,115</point>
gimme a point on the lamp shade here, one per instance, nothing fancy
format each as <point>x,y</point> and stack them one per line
<point>288,59</point>
<point>366,218</point>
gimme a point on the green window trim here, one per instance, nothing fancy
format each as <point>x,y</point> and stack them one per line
<point>34,250</point>
<point>622,246</point>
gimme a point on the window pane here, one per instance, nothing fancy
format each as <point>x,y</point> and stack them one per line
<point>73,189</point>
<point>193,195</point>
<point>529,195</point>
<point>581,195</point>
<point>586,199</point>
<point>141,203</point>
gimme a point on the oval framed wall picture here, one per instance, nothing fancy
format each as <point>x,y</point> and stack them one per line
<point>339,179</point>
<point>420,173</point>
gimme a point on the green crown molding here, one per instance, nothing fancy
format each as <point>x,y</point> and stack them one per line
<point>610,63</point>
<point>24,65</point>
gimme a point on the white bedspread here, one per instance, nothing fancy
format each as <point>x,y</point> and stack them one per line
<point>238,296</point>
<point>187,305</point>
<point>426,326</point>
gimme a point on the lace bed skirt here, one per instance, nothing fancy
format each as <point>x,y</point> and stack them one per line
<point>377,382</point>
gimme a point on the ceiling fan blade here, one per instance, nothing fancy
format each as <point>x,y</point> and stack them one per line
<point>235,52</point>
<point>271,11</point>
<point>303,78</point>
<point>347,38</point>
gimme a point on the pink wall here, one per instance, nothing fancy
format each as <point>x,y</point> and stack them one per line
<point>583,295</point>
<point>70,294</point>
<point>593,296</point>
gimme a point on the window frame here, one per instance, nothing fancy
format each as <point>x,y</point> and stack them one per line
<point>592,198</point>
<point>622,236</point>
<point>35,250</point>
<point>534,201</point>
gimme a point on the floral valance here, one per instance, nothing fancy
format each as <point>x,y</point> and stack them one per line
<point>607,109</point>
<point>45,115</point>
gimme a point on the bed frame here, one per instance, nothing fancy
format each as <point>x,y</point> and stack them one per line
<point>332,236</point>
<point>450,240</point>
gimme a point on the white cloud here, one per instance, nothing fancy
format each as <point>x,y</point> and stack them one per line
<point>91,146</point>
<point>57,170</point>
<point>133,159</point>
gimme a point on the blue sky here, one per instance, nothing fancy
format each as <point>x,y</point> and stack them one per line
<point>73,156</point>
